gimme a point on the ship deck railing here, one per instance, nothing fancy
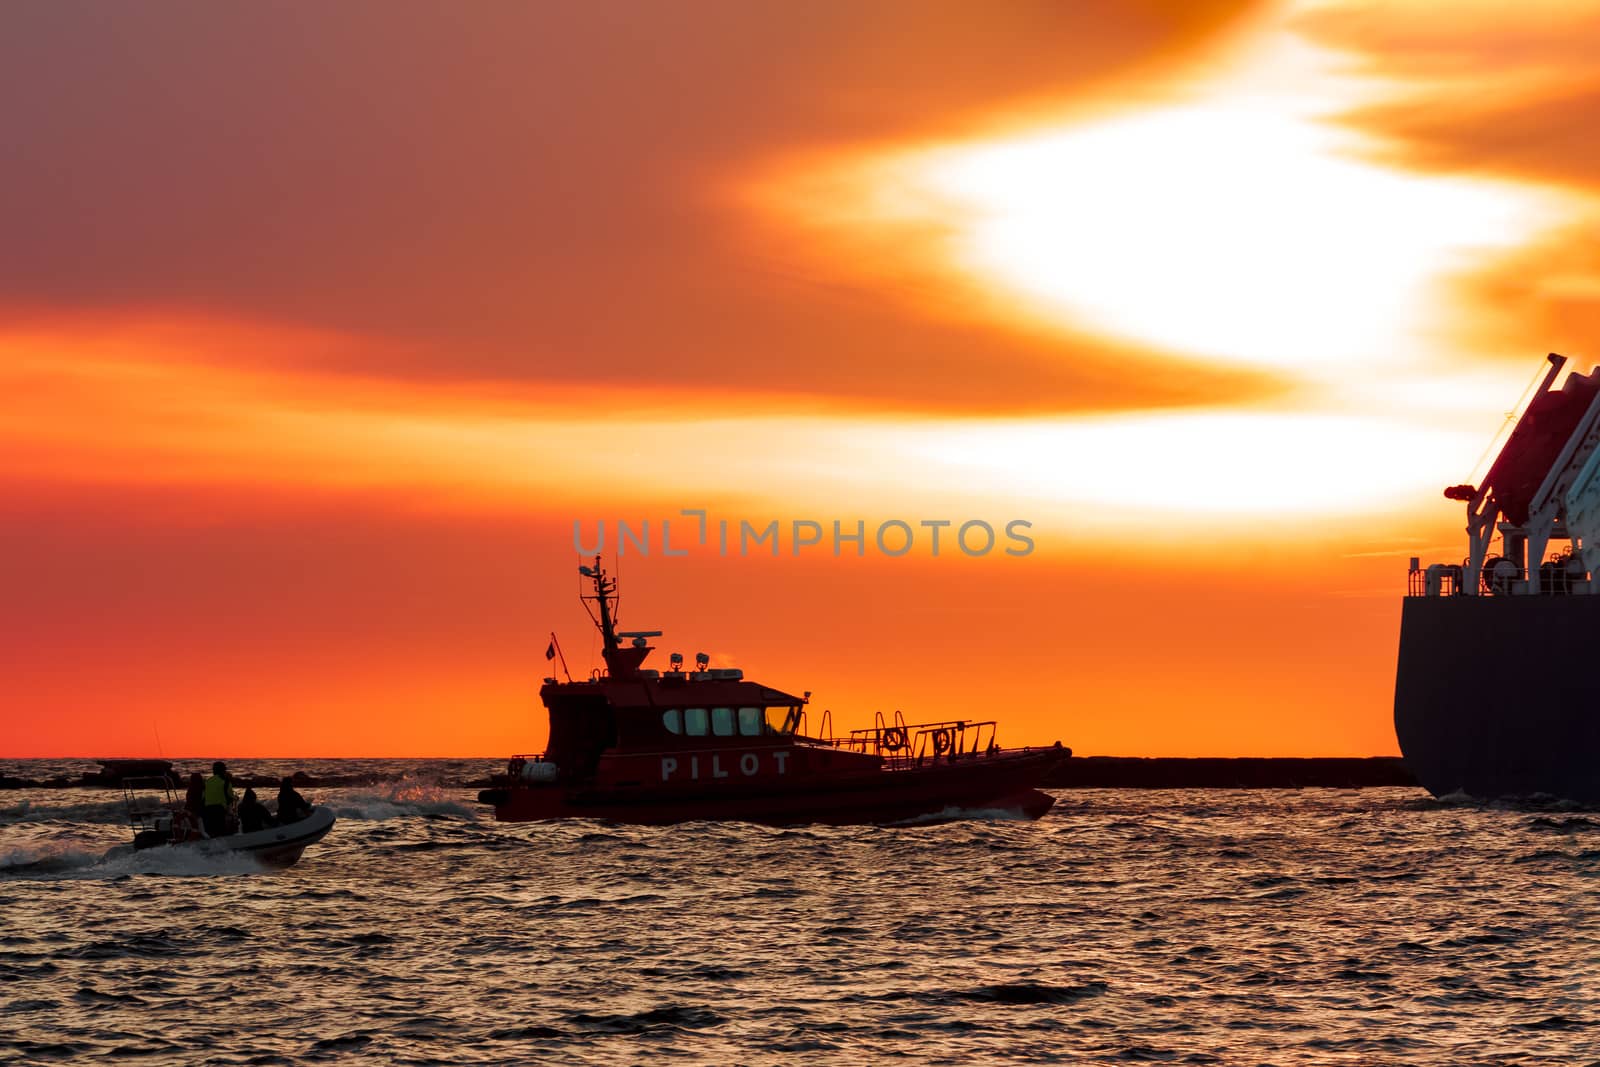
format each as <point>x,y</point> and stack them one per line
<point>903,745</point>
<point>1450,582</point>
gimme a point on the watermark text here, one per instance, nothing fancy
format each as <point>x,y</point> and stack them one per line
<point>696,532</point>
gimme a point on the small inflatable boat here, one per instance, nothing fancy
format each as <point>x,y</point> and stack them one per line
<point>160,822</point>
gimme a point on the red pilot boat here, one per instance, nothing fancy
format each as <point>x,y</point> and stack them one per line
<point>635,745</point>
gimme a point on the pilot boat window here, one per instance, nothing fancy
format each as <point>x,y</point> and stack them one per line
<point>672,719</point>
<point>782,720</point>
<point>722,722</point>
<point>750,722</point>
<point>694,722</point>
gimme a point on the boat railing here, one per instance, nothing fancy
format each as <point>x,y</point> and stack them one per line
<point>898,743</point>
<point>1557,576</point>
<point>904,745</point>
<point>1443,580</point>
<point>150,803</point>
<point>954,740</point>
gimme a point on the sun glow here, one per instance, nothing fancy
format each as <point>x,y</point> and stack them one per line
<point>1237,223</point>
<point>1223,466</point>
<point>1228,218</point>
<point>160,419</point>
<point>1229,232</point>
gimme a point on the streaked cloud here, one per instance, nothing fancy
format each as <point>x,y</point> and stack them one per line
<point>1480,91</point>
<point>532,192</point>
<point>126,408</point>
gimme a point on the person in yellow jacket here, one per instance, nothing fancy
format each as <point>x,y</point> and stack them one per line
<point>218,795</point>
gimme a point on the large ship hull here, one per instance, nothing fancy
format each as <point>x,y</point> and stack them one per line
<point>1499,696</point>
<point>943,790</point>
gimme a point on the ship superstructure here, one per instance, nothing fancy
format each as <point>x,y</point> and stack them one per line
<point>1496,692</point>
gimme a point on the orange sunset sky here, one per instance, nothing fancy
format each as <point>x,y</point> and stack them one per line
<point>322,324</point>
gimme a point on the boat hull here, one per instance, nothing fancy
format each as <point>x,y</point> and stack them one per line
<point>275,846</point>
<point>933,793</point>
<point>1499,696</point>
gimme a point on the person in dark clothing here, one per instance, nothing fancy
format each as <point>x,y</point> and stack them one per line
<point>217,794</point>
<point>195,800</point>
<point>292,807</point>
<point>253,815</point>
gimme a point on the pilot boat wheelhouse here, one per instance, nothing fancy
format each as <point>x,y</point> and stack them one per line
<point>633,744</point>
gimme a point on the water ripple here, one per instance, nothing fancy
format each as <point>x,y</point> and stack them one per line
<point>1309,926</point>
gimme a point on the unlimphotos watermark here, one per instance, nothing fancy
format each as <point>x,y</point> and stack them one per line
<point>741,537</point>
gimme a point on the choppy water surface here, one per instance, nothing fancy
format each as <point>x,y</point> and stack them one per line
<point>1316,926</point>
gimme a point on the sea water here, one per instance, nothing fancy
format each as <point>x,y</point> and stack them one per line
<point>1229,927</point>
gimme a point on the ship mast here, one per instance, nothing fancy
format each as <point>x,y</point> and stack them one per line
<point>620,662</point>
<point>605,593</point>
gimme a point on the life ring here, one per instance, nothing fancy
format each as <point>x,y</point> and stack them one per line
<point>894,738</point>
<point>943,741</point>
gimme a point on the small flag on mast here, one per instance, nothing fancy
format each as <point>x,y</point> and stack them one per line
<point>553,651</point>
